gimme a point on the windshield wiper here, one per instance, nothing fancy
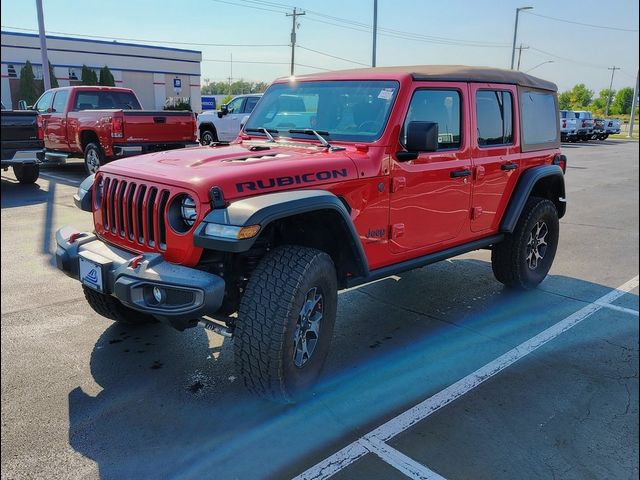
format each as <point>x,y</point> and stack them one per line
<point>264,130</point>
<point>319,135</point>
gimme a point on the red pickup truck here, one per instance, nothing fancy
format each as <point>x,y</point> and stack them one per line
<point>104,123</point>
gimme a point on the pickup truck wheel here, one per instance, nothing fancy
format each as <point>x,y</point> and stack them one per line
<point>524,257</point>
<point>207,137</point>
<point>93,158</point>
<point>111,308</point>
<point>26,173</point>
<point>285,322</point>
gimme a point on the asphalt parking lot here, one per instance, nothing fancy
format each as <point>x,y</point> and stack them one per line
<point>440,372</point>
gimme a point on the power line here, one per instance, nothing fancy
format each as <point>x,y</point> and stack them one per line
<point>332,56</point>
<point>582,24</point>
<point>147,40</point>
<point>577,62</point>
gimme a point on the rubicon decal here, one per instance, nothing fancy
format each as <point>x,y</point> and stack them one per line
<point>291,180</point>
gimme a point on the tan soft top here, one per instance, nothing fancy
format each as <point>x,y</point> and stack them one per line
<point>450,73</point>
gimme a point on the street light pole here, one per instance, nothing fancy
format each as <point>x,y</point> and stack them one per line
<point>375,32</point>
<point>515,34</point>
<point>43,47</point>
<point>634,104</point>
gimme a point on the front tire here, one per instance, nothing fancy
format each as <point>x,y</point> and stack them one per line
<point>93,158</point>
<point>285,323</point>
<point>208,136</point>
<point>111,308</point>
<point>26,174</point>
<point>524,257</point>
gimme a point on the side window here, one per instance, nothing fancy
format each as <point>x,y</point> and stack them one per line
<point>43,104</point>
<point>250,104</point>
<point>235,106</point>
<point>494,114</point>
<point>539,117</point>
<point>440,106</point>
<point>60,101</point>
<point>86,101</point>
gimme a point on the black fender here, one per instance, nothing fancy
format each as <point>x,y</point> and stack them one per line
<point>527,185</point>
<point>264,209</point>
<point>84,197</point>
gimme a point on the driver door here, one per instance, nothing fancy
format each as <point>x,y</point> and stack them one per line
<point>431,195</point>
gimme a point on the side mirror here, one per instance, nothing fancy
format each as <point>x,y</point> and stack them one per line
<point>22,105</point>
<point>421,137</point>
<point>224,109</point>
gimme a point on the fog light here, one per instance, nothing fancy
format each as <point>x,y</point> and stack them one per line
<point>159,294</point>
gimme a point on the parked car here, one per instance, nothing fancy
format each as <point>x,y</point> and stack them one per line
<point>387,170</point>
<point>103,123</point>
<point>612,126</point>
<point>21,143</point>
<point>599,129</point>
<point>585,125</point>
<point>224,125</point>
<point>568,126</point>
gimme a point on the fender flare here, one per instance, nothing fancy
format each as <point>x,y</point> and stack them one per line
<point>207,126</point>
<point>265,209</point>
<point>522,192</point>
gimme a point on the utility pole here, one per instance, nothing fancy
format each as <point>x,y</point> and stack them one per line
<point>613,71</point>
<point>294,25</point>
<point>231,73</point>
<point>515,34</point>
<point>634,104</point>
<point>375,32</point>
<point>520,48</point>
<point>43,47</point>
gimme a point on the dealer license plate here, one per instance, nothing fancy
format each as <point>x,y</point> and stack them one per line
<point>91,274</point>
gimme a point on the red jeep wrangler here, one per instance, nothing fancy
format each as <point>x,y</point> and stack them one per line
<point>336,180</point>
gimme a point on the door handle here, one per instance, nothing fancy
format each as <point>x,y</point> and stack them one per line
<point>460,173</point>
<point>508,166</point>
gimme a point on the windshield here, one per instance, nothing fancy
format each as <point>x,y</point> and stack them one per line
<point>355,111</point>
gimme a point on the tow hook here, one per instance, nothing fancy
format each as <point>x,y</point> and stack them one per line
<point>216,327</point>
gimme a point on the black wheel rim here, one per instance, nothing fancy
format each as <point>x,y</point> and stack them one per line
<point>537,244</point>
<point>307,333</point>
<point>207,138</point>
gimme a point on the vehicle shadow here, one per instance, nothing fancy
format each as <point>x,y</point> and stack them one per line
<point>14,194</point>
<point>171,405</point>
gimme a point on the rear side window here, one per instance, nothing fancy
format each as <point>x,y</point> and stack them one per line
<point>250,104</point>
<point>442,107</point>
<point>105,100</point>
<point>494,113</point>
<point>539,120</point>
<point>60,101</point>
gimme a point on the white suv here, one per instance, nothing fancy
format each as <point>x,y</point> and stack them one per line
<point>224,125</point>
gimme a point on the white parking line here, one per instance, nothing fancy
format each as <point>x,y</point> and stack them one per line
<point>630,311</point>
<point>399,460</point>
<point>374,440</point>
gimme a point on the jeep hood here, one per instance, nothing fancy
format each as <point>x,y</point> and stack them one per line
<point>238,169</point>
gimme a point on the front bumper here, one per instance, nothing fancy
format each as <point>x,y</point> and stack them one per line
<point>190,293</point>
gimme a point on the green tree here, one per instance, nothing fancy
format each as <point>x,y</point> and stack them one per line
<point>106,77</point>
<point>88,77</point>
<point>226,99</point>
<point>28,90</point>
<point>52,77</point>
<point>600,103</point>
<point>581,96</point>
<point>623,100</point>
<point>564,100</point>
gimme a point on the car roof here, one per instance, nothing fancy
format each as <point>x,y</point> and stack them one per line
<point>447,73</point>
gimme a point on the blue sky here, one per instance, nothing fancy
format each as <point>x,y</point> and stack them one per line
<point>482,31</point>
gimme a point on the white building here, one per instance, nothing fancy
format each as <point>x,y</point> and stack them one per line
<point>158,75</point>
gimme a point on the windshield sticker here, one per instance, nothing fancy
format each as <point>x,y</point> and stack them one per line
<point>386,93</point>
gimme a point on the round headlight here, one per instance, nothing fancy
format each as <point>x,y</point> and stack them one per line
<point>188,210</point>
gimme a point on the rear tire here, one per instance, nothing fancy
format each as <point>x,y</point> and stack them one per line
<point>285,323</point>
<point>208,136</point>
<point>524,257</point>
<point>93,158</point>
<point>26,173</point>
<point>113,309</point>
